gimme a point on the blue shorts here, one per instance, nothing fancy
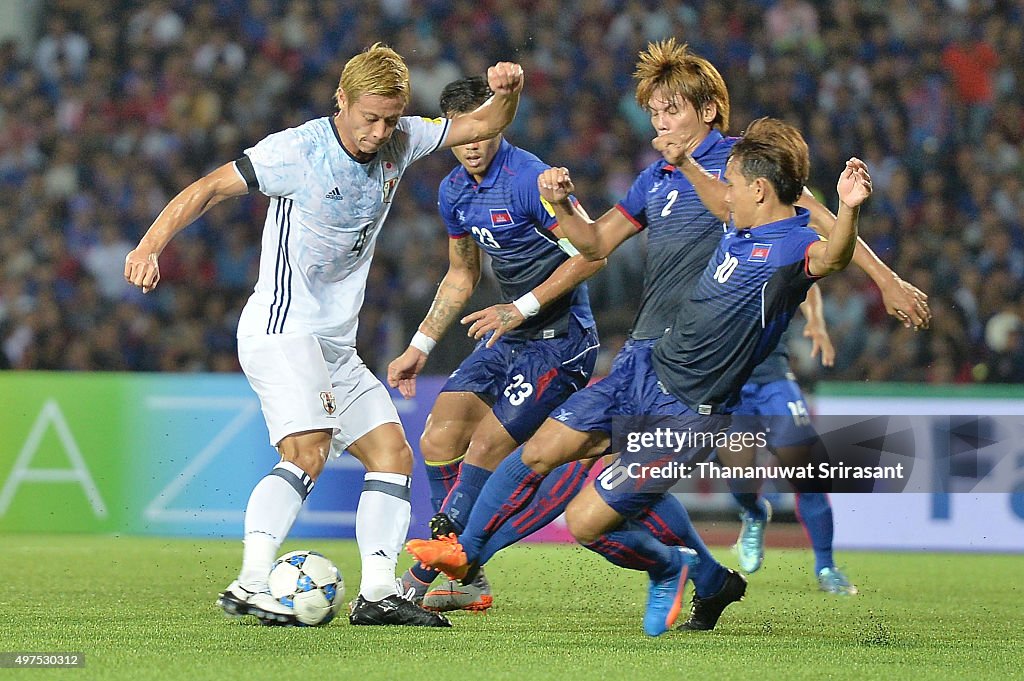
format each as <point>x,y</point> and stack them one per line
<point>641,475</point>
<point>525,379</point>
<point>594,407</point>
<point>780,411</point>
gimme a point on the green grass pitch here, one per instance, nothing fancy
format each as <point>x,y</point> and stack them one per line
<point>142,608</point>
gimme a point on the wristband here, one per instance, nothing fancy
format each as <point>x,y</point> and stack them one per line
<point>422,342</point>
<point>528,305</point>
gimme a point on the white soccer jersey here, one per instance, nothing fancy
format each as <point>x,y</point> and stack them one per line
<point>325,213</point>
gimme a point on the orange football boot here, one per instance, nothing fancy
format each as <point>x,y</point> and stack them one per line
<point>444,554</point>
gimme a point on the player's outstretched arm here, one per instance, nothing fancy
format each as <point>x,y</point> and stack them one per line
<point>813,309</point>
<point>902,299</point>
<point>594,239</point>
<point>854,187</point>
<point>452,295</point>
<point>506,82</point>
<point>141,266</point>
<point>508,316</point>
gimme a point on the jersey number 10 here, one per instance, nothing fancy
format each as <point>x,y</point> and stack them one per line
<point>726,269</point>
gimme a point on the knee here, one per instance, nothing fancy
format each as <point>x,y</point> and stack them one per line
<point>488,452</point>
<point>396,458</point>
<point>309,456</point>
<point>539,458</point>
<point>439,443</point>
<point>578,521</point>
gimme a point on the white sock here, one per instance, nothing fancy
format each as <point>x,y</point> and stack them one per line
<point>382,523</point>
<point>273,505</point>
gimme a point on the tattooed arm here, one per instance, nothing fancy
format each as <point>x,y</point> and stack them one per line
<point>452,295</point>
<point>566,277</point>
<point>455,289</point>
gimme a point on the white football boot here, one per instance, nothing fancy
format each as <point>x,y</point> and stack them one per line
<point>238,601</point>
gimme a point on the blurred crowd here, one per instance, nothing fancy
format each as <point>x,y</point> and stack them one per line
<point>115,106</point>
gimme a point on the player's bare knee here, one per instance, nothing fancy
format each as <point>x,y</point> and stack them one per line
<point>538,458</point>
<point>395,459</point>
<point>309,457</point>
<point>439,443</point>
<point>429,447</point>
<point>487,453</point>
<point>578,521</point>
<point>308,451</point>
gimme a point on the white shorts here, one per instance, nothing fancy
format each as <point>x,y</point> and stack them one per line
<point>309,383</point>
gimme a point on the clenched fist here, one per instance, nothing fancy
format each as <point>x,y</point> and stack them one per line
<point>142,269</point>
<point>505,78</point>
<point>555,185</point>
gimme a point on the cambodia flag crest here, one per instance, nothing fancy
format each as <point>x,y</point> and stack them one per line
<point>500,217</point>
<point>759,253</point>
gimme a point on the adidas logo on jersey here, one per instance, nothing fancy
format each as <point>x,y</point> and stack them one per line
<point>334,194</point>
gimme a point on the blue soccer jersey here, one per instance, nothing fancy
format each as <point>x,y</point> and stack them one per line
<point>506,217</point>
<point>737,313</point>
<point>681,233</point>
<point>775,366</point>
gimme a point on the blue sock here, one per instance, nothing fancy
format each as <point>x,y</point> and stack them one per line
<point>509,489</point>
<point>635,549</point>
<point>463,495</point>
<point>441,477</point>
<point>424,574</point>
<point>752,503</point>
<point>815,513</point>
<point>669,522</point>
<point>749,501</point>
<point>554,494</point>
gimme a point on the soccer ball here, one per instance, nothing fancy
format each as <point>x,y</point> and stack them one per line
<point>309,583</point>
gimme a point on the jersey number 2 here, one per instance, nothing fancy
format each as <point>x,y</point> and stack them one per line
<point>672,196</point>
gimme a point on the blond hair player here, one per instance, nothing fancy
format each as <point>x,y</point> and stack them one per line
<point>331,182</point>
